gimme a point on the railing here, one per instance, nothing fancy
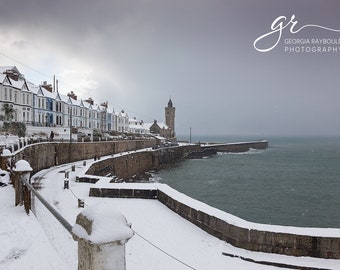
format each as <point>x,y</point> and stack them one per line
<point>60,218</point>
<point>92,254</point>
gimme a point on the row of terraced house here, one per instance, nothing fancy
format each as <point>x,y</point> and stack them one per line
<point>44,106</point>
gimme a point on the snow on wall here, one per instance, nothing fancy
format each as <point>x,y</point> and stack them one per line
<point>296,241</point>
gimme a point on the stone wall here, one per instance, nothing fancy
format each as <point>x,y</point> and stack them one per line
<point>255,240</point>
<point>127,165</point>
<point>238,147</point>
<point>45,155</point>
<point>246,238</point>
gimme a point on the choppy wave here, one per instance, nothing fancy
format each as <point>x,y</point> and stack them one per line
<point>251,151</point>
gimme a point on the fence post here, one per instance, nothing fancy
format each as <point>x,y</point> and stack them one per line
<point>22,170</point>
<point>101,234</point>
<point>3,158</point>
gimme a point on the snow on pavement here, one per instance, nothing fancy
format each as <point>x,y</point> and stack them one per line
<point>24,244</point>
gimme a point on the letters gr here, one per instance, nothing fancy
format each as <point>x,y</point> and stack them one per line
<point>281,23</point>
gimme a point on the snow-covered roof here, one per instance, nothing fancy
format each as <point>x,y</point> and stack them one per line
<point>32,87</point>
<point>133,121</point>
<point>76,102</point>
<point>147,126</point>
<point>65,98</point>
<point>47,93</point>
<point>5,68</point>
<point>162,125</point>
<point>122,113</point>
<point>87,105</point>
<point>19,84</point>
<point>12,68</point>
<point>3,79</point>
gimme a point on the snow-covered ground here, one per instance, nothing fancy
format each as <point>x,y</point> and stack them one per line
<point>162,240</point>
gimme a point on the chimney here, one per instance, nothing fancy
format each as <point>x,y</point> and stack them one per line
<point>48,87</point>
<point>13,75</point>
<point>53,83</point>
<point>104,104</point>
<point>72,95</point>
<point>89,100</point>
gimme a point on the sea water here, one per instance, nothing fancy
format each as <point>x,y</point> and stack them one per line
<point>296,181</point>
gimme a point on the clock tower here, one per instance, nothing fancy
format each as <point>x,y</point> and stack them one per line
<point>170,118</point>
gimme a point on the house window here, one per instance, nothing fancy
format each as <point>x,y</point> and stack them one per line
<point>5,97</point>
<point>10,94</point>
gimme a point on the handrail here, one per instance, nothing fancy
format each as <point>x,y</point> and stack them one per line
<point>59,217</point>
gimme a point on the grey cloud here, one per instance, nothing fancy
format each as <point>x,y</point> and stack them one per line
<point>198,52</point>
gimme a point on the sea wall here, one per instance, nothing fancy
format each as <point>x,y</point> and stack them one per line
<point>253,239</point>
<point>237,147</point>
<point>129,164</point>
<point>45,155</point>
<point>248,237</point>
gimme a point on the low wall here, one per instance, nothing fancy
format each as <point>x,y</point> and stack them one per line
<point>246,238</point>
<point>255,240</point>
<point>45,155</point>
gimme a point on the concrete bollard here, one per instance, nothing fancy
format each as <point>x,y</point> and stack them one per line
<point>66,184</point>
<point>101,234</point>
<point>81,203</point>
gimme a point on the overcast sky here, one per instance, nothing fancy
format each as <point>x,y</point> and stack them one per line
<point>138,54</point>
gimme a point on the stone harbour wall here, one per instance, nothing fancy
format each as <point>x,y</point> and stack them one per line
<point>238,147</point>
<point>45,155</point>
<point>129,164</point>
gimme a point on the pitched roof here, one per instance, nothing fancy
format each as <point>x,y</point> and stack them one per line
<point>19,84</point>
<point>12,68</point>
<point>4,80</point>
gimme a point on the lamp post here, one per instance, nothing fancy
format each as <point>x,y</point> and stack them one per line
<point>70,122</point>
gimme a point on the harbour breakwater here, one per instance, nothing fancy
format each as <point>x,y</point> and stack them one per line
<point>236,147</point>
<point>128,165</point>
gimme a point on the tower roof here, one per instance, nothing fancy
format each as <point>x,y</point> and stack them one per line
<point>170,103</point>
